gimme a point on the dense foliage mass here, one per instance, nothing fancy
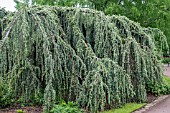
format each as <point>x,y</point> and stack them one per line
<point>3,13</point>
<point>79,55</point>
<point>149,13</point>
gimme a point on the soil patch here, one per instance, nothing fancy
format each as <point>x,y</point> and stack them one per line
<point>151,98</point>
<point>25,109</point>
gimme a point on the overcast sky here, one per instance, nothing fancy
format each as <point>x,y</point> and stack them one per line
<point>8,4</point>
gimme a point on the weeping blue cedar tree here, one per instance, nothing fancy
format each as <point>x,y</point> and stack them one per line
<point>80,55</point>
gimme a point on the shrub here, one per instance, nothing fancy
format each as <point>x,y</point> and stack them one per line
<point>158,89</point>
<point>6,94</point>
<point>32,100</point>
<point>38,99</point>
<point>64,107</point>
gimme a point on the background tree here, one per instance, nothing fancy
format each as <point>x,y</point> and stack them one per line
<point>70,3</point>
<point>20,3</point>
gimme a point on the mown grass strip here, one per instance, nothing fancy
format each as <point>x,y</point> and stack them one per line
<point>128,108</point>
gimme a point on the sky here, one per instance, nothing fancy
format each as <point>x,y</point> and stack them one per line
<point>8,4</point>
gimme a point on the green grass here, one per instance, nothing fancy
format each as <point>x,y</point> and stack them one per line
<point>166,80</point>
<point>128,108</point>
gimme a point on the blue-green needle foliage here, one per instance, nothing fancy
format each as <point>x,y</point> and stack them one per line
<point>79,55</point>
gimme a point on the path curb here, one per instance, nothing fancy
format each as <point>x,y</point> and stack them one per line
<point>147,106</point>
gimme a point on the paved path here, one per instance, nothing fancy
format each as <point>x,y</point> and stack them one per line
<point>167,71</point>
<point>163,106</point>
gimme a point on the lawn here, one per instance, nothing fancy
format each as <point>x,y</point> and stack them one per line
<point>128,108</point>
<point>166,79</point>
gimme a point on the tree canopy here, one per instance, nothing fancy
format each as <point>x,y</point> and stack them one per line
<point>149,13</point>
